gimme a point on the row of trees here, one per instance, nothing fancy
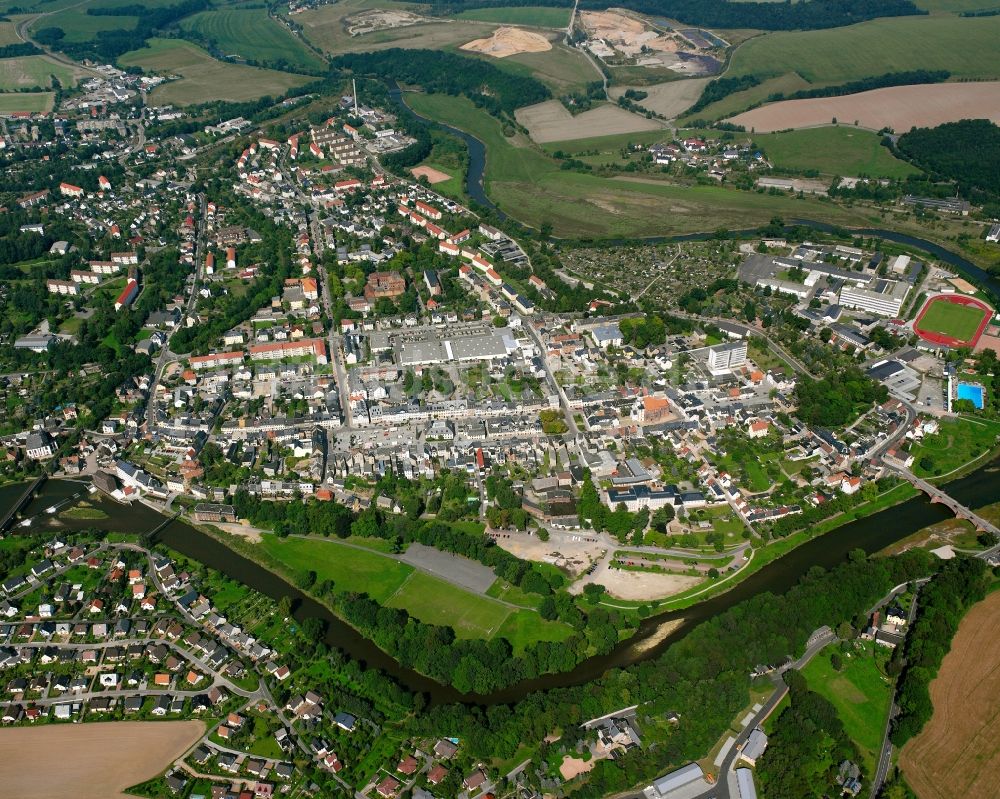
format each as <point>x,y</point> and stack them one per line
<point>704,677</point>
<point>941,605</point>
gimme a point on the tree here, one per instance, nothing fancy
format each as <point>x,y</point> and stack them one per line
<point>836,661</point>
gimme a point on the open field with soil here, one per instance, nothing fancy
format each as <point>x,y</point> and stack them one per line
<point>957,753</point>
<point>533,16</point>
<point>24,101</point>
<point>251,34</point>
<point>671,99</point>
<point>524,180</point>
<point>833,151</point>
<point>95,761</point>
<point>433,175</point>
<point>34,71</point>
<point>508,41</point>
<point>897,107</point>
<point>550,121</point>
<point>203,77</point>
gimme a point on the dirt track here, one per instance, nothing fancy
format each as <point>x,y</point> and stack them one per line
<point>89,761</point>
<point>958,754</point>
<point>898,107</point>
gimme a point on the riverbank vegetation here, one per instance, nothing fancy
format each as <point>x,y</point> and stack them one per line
<point>941,605</point>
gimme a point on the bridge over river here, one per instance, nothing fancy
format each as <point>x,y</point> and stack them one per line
<point>939,496</point>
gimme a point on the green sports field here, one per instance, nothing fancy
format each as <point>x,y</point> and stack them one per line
<point>251,34</point>
<point>958,321</point>
<point>832,151</point>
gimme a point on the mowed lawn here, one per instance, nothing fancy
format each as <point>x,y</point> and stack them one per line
<point>430,599</point>
<point>203,77</point>
<point>859,692</point>
<point>965,47</point>
<point>958,321</point>
<point>537,16</point>
<point>350,569</point>
<point>529,185</point>
<point>251,34</point>
<point>833,151</point>
<point>957,442</point>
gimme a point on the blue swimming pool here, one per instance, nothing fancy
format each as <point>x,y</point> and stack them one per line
<point>973,392</point>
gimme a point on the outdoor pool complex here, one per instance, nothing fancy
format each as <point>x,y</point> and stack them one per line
<point>973,392</point>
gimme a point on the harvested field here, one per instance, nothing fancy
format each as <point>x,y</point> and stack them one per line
<point>35,71</point>
<point>957,754</point>
<point>550,121</point>
<point>26,101</point>
<point>96,761</point>
<point>433,175</point>
<point>509,41</point>
<point>671,99</point>
<point>898,107</point>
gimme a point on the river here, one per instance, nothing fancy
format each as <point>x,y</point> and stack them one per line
<point>475,187</point>
<point>870,534</point>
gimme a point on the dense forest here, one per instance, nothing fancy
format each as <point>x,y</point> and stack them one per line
<point>810,15</point>
<point>805,747</point>
<point>837,398</point>
<point>941,605</point>
<point>496,90</point>
<point>704,677</point>
<point>967,152</point>
<point>721,88</point>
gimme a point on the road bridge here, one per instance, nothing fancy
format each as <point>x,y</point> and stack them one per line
<point>939,496</point>
<point>21,503</point>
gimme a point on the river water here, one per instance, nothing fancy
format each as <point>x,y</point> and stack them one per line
<point>870,534</point>
<point>476,189</point>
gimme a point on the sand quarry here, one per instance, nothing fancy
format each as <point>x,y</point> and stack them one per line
<point>625,34</point>
<point>509,41</point>
<point>957,753</point>
<point>89,761</point>
<point>550,121</point>
<point>433,175</point>
<point>898,107</point>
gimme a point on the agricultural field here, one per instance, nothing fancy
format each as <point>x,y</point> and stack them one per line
<point>859,691</point>
<point>671,99</point>
<point>25,101</point>
<point>563,69</point>
<point>532,16</point>
<point>34,72</point>
<point>203,78</point>
<point>550,121</point>
<point>79,26</point>
<point>7,34</point>
<point>833,151</point>
<point>522,178</point>
<point>736,102</point>
<point>956,754</point>
<point>965,47</point>
<point>896,107</point>
<point>326,27</point>
<point>83,769</point>
<point>249,33</point>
